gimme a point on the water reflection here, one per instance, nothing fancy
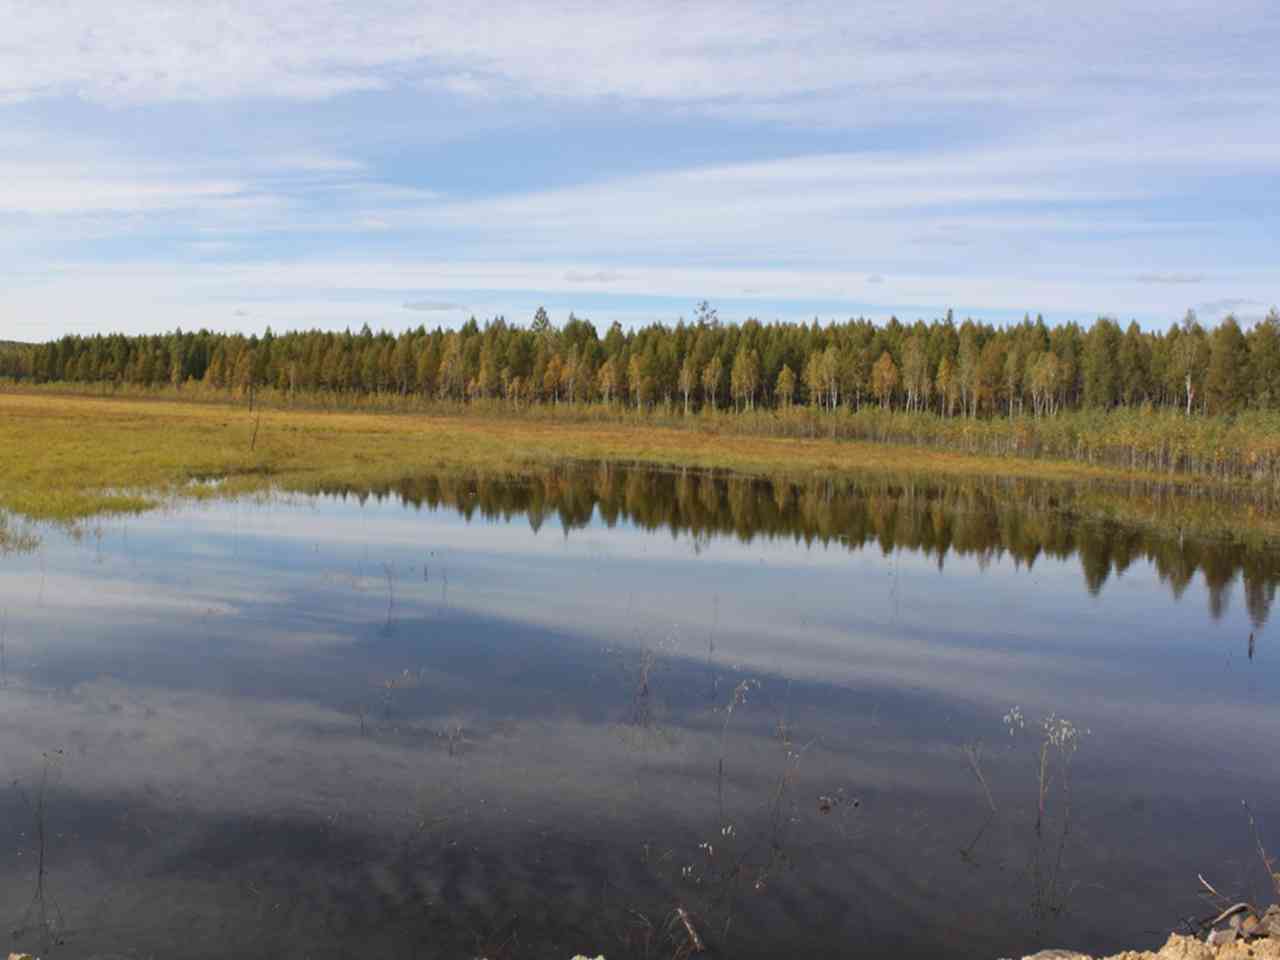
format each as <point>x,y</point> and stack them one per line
<point>1022,520</point>
<point>605,710</point>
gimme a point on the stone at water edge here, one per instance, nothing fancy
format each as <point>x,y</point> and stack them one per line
<point>1058,955</point>
<point>1270,923</point>
<point>1220,938</point>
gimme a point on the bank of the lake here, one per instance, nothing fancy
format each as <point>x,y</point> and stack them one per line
<point>70,457</point>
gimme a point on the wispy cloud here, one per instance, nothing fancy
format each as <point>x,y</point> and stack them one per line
<point>405,154</point>
<point>433,306</point>
<point>1247,311</point>
<point>592,276</point>
<point>755,54</point>
<point>1170,278</point>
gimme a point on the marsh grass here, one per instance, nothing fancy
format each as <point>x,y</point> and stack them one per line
<point>1241,447</point>
<point>1054,741</point>
<point>70,457</point>
<point>736,858</point>
<point>745,854</point>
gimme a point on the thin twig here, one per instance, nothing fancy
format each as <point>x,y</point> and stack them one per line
<point>973,753</point>
<point>1267,863</point>
<point>695,941</point>
<point>1208,886</point>
<point>1231,911</point>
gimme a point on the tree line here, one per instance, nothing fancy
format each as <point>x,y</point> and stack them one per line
<point>947,368</point>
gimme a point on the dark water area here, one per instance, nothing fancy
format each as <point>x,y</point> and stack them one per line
<point>530,717</point>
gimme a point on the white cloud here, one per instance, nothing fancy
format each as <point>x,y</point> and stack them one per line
<point>335,293</point>
<point>24,189</point>
<point>758,55</point>
<point>1055,179</point>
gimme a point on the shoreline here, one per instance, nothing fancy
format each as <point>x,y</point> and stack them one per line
<point>78,457</point>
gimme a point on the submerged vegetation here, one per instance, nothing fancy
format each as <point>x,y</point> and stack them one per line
<point>15,538</point>
<point>1190,400</point>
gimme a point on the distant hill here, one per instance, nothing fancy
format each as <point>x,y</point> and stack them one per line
<point>4,344</point>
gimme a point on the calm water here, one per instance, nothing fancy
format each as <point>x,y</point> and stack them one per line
<point>527,718</point>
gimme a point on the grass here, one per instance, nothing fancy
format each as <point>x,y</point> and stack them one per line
<point>71,457</point>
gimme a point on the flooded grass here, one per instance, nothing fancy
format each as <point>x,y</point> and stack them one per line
<point>16,537</point>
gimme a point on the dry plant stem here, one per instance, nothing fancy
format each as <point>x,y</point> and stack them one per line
<point>641,709</point>
<point>1045,893</point>
<point>1207,885</point>
<point>1268,864</point>
<point>776,850</point>
<point>695,941</point>
<point>40,900</point>
<point>967,853</point>
<point>1214,897</point>
<point>739,696</point>
<point>1231,911</point>
<point>973,753</point>
<point>1044,783</point>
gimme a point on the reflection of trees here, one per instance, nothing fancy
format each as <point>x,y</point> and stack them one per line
<point>1259,589</point>
<point>981,518</point>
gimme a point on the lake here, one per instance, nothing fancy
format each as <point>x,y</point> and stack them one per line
<point>604,710</point>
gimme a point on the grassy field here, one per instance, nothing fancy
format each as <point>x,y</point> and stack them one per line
<point>68,458</point>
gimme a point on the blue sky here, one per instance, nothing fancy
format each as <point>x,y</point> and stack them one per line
<point>295,164</point>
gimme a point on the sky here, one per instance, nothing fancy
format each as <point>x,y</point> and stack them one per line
<point>238,164</point>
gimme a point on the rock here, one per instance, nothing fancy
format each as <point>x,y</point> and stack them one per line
<point>1232,944</point>
<point>1178,947</point>
<point>1269,926</point>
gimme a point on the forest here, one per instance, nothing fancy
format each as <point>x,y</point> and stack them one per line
<point>1211,397</point>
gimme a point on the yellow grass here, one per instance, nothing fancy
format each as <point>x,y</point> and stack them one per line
<point>66,458</point>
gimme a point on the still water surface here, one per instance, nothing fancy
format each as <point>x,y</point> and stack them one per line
<point>533,717</point>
